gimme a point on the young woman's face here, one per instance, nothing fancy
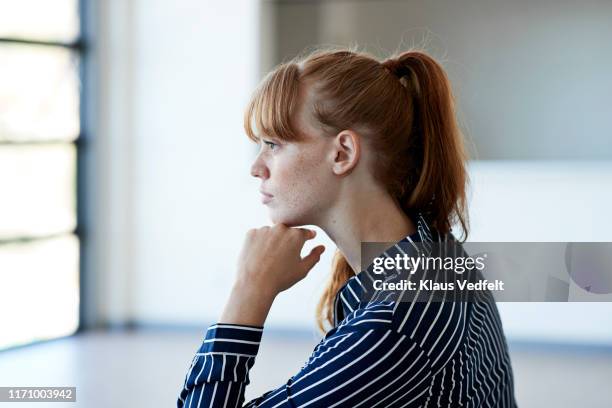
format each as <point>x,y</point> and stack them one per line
<point>297,182</point>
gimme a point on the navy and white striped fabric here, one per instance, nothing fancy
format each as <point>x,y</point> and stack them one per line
<point>381,353</point>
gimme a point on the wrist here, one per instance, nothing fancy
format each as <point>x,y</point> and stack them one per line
<point>254,290</point>
<point>247,305</point>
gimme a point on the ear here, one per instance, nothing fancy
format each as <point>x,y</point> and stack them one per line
<point>347,151</point>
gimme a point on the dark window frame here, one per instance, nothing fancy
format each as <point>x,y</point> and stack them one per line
<point>80,49</point>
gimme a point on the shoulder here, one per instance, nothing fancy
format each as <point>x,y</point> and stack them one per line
<point>372,328</point>
<point>375,315</point>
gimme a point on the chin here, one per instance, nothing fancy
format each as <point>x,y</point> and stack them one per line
<point>289,219</point>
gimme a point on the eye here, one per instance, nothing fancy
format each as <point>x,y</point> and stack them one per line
<point>270,144</point>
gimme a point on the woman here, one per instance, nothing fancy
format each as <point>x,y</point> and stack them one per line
<point>368,152</point>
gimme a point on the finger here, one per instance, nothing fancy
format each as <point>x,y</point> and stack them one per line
<point>306,233</point>
<point>313,257</point>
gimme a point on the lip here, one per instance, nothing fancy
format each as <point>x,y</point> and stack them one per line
<point>265,197</point>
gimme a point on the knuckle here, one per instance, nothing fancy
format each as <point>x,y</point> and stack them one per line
<point>279,228</point>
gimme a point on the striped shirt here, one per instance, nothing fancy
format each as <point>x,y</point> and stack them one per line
<point>383,351</point>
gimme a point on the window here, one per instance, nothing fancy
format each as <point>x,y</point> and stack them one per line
<point>40,101</point>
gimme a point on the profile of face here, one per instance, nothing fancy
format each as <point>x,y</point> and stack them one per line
<point>301,181</point>
<point>297,181</point>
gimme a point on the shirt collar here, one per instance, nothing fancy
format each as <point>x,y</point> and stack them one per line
<point>354,291</point>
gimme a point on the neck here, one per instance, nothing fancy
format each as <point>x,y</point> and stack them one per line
<point>368,220</point>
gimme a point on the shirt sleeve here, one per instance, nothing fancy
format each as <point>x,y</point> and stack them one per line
<point>361,365</point>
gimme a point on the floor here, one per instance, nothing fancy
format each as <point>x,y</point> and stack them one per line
<point>146,368</point>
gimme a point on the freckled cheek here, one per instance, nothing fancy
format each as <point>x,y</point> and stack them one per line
<point>300,182</point>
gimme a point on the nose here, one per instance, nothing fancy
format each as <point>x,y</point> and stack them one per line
<point>259,169</point>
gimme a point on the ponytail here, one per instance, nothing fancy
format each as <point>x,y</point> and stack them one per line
<point>341,272</point>
<point>440,189</point>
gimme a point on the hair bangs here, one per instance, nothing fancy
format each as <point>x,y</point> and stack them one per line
<point>272,107</point>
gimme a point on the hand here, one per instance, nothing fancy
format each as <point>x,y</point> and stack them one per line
<point>269,263</point>
<point>270,259</point>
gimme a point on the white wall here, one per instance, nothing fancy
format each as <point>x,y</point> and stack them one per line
<point>195,66</point>
<point>169,172</point>
<point>172,196</point>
